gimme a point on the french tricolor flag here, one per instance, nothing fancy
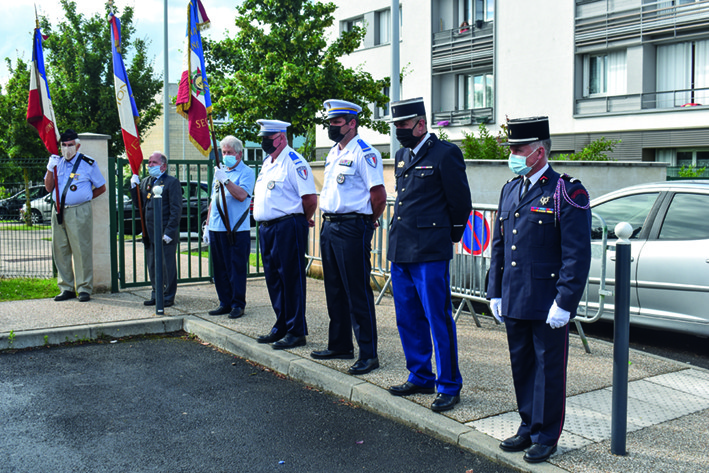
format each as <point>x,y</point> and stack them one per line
<point>127,110</point>
<point>40,113</point>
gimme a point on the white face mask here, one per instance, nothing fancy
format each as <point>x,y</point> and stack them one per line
<point>68,152</point>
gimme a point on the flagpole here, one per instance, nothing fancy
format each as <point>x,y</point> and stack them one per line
<point>165,86</point>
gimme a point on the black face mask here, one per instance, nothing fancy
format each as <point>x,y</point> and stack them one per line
<point>267,145</point>
<point>406,137</point>
<point>334,132</point>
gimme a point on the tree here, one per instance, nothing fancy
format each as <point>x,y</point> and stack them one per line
<point>80,74</point>
<point>279,66</point>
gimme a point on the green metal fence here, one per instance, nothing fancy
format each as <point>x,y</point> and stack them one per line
<point>194,259</point>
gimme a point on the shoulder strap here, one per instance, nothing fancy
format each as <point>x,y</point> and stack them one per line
<point>66,187</point>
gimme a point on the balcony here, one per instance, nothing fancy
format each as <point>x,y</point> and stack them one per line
<point>464,48</point>
<point>463,117</point>
<point>631,103</point>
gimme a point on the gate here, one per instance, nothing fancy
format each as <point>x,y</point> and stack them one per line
<point>128,268</point>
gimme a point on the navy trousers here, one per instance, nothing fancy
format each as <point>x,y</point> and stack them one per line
<point>169,268</point>
<point>422,299</point>
<point>230,264</point>
<point>539,356</point>
<point>283,246</point>
<point>346,248</point>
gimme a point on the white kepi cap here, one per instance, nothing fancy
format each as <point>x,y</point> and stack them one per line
<point>269,127</point>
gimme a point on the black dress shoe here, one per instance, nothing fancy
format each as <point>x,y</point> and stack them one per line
<point>221,310</point>
<point>168,303</point>
<point>84,297</point>
<point>444,402</point>
<point>289,341</point>
<point>516,443</point>
<point>65,295</point>
<point>539,453</point>
<point>364,366</point>
<point>236,312</point>
<point>409,388</point>
<point>273,336</point>
<point>329,355</point>
<point>149,302</point>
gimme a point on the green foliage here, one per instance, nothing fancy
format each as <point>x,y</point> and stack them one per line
<point>308,148</point>
<point>485,145</point>
<point>442,135</point>
<point>691,171</point>
<point>594,151</point>
<point>280,65</point>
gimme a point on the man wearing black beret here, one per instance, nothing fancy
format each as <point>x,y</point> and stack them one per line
<point>78,180</point>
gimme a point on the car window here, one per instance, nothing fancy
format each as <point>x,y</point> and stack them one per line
<point>203,193</point>
<point>687,218</point>
<point>630,208</point>
<point>36,192</point>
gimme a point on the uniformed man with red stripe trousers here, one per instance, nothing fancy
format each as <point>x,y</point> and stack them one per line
<point>430,213</point>
<point>541,254</point>
<point>352,199</point>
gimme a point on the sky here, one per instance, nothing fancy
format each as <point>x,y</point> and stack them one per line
<point>17,28</point>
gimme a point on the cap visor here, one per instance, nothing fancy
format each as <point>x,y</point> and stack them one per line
<point>519,142</point>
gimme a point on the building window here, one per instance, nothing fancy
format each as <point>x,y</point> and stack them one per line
<point>605,74</point>
<point>475,91</point>
<point>476,10</point>
<point>683,74</point>
<point>348,25</point>
<point>383,27</point>
<point>674,157</point>
<point>381,112</point>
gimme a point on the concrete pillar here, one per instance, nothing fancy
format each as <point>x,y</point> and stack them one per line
<point>95,146</point>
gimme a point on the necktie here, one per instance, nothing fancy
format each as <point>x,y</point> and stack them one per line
<point>525,188</point>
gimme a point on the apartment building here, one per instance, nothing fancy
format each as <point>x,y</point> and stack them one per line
<point>633,70</point>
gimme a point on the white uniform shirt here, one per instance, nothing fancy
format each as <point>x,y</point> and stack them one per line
<point>349,175</point>
<point>281,185</point>
<point>87,177</point>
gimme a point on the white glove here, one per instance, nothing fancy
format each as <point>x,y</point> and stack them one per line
<point>220,174</point>
<point>134,181</point>
<point>166,239</point>
<point>558,317</point>
<point>496,309</point>
<point>205,234</point>
<point>53,161</point>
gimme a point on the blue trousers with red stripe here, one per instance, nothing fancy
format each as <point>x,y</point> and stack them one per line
<point>422,299</point>
<point>539,356</point>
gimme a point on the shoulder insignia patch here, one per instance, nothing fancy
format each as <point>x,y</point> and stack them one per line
<point>302,172</point>
<point>294,157</point>
<point>569,178</point>
<point>371,159</point>
<point>88,160</point>
<point>363,145</point>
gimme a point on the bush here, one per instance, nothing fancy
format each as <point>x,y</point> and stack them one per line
<point>594,151</point>
<point>485,146</point>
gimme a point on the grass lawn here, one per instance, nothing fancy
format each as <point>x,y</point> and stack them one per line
<point>25,228</point>
<point>19,289</point>
<point>205,254</point>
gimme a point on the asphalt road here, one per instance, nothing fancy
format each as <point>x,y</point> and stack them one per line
<point>176,405</point>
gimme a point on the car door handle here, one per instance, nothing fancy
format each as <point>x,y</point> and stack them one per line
<point>632,258</point>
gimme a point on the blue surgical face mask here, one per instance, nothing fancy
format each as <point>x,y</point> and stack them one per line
<point>229,160</point>
<point>518,163</point>
<point>154,171</point>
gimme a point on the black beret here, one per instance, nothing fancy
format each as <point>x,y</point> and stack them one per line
<point>68,135</point>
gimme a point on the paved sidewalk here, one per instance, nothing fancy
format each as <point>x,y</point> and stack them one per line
<point>668,406</point>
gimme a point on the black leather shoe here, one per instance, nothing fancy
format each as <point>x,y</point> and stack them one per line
<point>168,303</point>
<point>236,312</point>
<point>273,336</point>
<point>516,443</point>
<point>289,341</point>
<point>65,295</point>
<point>84,297</point>
<point>221,310</point>
<point>444,402</point>
<point>539,453</point>
<point>329,355</point>
<point>364,366</point>
<point>149,302</point>
<point>409,388</point>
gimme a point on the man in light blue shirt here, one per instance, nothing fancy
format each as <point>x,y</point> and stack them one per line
<point>230,246</point>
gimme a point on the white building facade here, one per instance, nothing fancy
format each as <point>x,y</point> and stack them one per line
<point>634,70</point>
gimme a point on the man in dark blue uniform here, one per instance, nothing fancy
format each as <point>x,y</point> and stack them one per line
<point>541,254</point>
<point>432,207</point>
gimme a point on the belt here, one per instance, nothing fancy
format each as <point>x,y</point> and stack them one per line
<point>76,205</point>
<point>267,223</point>
<point>341,217</point>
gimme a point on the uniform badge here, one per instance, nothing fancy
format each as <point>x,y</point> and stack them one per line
<point>371,159</point>
<point>271,185</point>
<point>400,165</point>
<point>72,187</point>
<point>544,200</point>
<point>302,172</point>
<point>346,162</point>
<point>340,178</point>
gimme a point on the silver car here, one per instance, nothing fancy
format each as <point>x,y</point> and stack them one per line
<point>670,254</point>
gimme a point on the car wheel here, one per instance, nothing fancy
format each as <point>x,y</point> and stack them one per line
<point>36,217</point>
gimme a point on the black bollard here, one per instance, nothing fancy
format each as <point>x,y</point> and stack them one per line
<point>621,339</point>
<point>157,249</point>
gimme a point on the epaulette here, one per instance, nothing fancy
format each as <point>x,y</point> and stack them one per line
<point>363,145</point>
<point>88,160</point>
<point>294,157</point>
<point>512,179</point>
<point>570,179</point>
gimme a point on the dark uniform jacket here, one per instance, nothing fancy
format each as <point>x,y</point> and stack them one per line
<point>432,203</point>
<point>171,205</point>
<point>537,255</point>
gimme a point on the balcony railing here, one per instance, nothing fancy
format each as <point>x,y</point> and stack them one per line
<point>666,100</point>
<point>468,47</point>
<point>656,19</point>
<point>462,117</point>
